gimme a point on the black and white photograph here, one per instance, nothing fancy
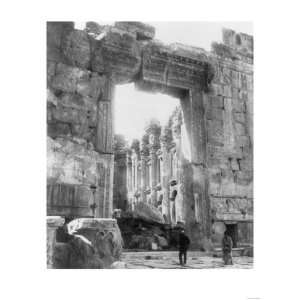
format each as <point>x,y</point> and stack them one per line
<point>149,145</point>
<point>149,150</point>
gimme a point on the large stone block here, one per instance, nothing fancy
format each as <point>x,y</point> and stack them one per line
<point>238,106</point>
<point>66,77</point>
<point>104,139</point>
<point>173,65</point>
<point>69,200</point>
<point>74,164</point>
<point>53,223</point>
<point>102,235</point>
<point>73,115</point>
<point>76,48</point>
<point>55,33</point>
<point>215,114</point>
<point>215,132</point>
<point>239,117</point>
<point>240,129</point>
<point>76,80</point>
<point>90,244</point>
<point>244,177</point>
<point>217,102</point>
<point>117,54</point>
<point>148,212</point>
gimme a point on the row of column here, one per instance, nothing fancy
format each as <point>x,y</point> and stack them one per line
<point>152,164</point>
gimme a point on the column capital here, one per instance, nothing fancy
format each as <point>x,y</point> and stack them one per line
<point>153,129</point>
<point>166,137</point>
<point>144,146</point>
<point>176,124</point>
<point>135,146</point>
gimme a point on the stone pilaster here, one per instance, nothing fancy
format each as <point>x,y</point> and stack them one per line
<point>135,161</point>
<point>104,135</point>
<point>166,141</point>
<point>104,187</point>
<point>53,222</point>
<point>194,115</point>
<point>129,177</point>
<point>144,157</point>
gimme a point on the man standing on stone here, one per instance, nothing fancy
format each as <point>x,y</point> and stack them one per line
<point>184,243</point>
<point>227,248</point>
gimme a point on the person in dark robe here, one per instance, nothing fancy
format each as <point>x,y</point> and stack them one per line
<point>184,243</point>
<point>227,248</point>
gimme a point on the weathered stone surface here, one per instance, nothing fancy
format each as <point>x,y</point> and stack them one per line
<point>94,29</point>
<point>53,223</point>
<point>148,212</point>
<point>55,34</point>
<point>78,253</point>
<point>117,54</point>
<point>89,252</point>
<point>231,208</point>
<point>185,71</point>
<point>216,93</point>
<point>76,48</point>
<point>240,41</point>
<point>215,132</point>
<point>72,108</point>
<point>72,168</point>
<point>104,139</point>
<point>98,240</point>
<point>142,31</point>
<point>76,80</point>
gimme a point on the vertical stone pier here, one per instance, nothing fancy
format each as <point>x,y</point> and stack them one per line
<point>144,155</point>
<point>104,146</point>
<point>166,139</point>
<point>53,222</point>
<point>199,161</point>
<point>153,130</point>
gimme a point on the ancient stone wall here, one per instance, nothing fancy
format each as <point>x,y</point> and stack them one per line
<point>229,119</point>
<point>79,119</point>
<point>216,93</point>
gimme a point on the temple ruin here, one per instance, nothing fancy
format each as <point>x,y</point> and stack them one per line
<point>207,186</point>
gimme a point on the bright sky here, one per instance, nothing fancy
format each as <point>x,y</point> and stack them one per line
<point>134,108</point>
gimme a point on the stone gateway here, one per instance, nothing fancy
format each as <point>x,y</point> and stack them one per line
<point>207,188</point>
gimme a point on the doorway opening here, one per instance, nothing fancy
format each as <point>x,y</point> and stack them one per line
<point>232,229</point>
<point>140,119</point>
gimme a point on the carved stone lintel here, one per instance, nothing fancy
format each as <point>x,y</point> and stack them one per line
<point>171,66</point>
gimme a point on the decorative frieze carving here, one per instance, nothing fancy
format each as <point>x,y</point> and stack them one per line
<point>168,66</point>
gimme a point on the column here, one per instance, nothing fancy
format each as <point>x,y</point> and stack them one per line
<point>129,177</point>
<point>166,140</point>
<point>144,158</point>
<point>104,145</point>
<point>135,158</point>
<point>153,129</point>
